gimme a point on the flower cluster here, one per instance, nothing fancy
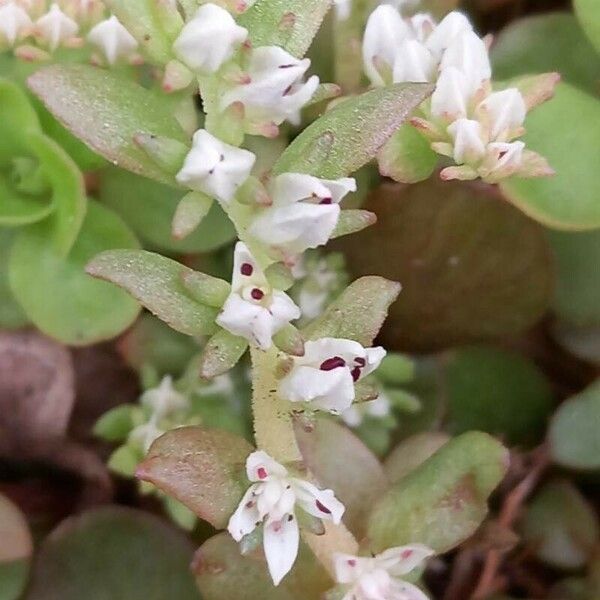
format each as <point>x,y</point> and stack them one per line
<point>464,119</point>
<point>36,28</point>
<point>272,500</point>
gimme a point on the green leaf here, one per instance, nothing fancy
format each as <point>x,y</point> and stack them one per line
<point>407,156</point>
<point>352,221</point>
<point>124,461</point>
<point>291,24</point>
<point>412,452</point>
<point>149,208</point>
<point>349,135</point>
<point>523,48</point>
<point>113,552</point>
<point>55,292</point>
<point>222,573</point>
<point>486,272</point>
<point>190,212</point>
<point>560,527</point>
<point>221,353</point>
<point>11,314</point>
<point>358,313</point>
<point>115,425</point>
<point>202,468</point>
<point>499,392</point>
<point>107,122</point>
<point>206,289</point>
<point>156,282</point>
<point>573,435</point>
<point>15,551</point>
<point>569,199</point>
<point>442,502</point>
<point>340,461</point>
<point>577,293</point>
<point>395,369</point>
<point>588,13</point>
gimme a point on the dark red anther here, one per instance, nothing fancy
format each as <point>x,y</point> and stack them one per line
<point>361,362</point>
<point>262,473</point>
<point>326,201</point>
<point>351,562</point>
<point>247,269</point>
<point>356,374</point>
<point>322,508</point>
<point>257,294</point>
<point>332,363</point>
<point>406,554</point>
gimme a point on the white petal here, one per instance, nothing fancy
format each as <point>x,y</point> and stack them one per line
<point>289,188</point>
<point>404,559</point>
<point>319,503</point>
<point>352,416</point>
<point>414,62</point>
<point>283,309</point>
<point>374,357</point>
<point>449,100</point>
<point>402,590</point>
<point>209,39</point>
<point>423,25</point>
<point>469,55</point>
<point>261,467</point>
<point>112,39</point>
<point>316,351</point>
<point>243,521</point>
<point>349,568</point>
<point>505,110</point>
<point>468,143</point>
<point>375,585</point>
<point>248,320</point>
<point>449,28</point>
<point>56,27</point>
<point>246,270</point>
<point>384,33</point>
<point>14,23</point>
<point>281,540</point>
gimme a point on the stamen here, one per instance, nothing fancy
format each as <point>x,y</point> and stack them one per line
<point>355,374</point>
<point>332,363</point>
<point>247,269</point>
<point>326,201</point>
<point>257,294</point>
<point>322,508</point>
<point>361,362</point>
<point>262,473</point>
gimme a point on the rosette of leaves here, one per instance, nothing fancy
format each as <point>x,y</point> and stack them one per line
<point>49,231</point>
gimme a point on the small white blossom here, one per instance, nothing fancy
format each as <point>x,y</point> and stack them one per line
<point>502,160</point>
<point>326,374</point>
<point>414,63</point>
<point>452,26</point>
<point>450,98</point>
<point>164,399</point>
<point>56,27</point>
<point>274,91</point>
<point>378,408</point>
<point>112,39</point>
<point>504,112</point>
<point>303,214</point>
<point>468,143</point>
<point>209,39</point>
<point>214,167</point>
<point>379,578</point>
<point>254,310</point>
<point>272,500</point>
<point>14,23</point>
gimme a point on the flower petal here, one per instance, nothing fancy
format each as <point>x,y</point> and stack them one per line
<point>403,559</point>
<point>261,467</point>
<point>402,590</point>
<point>243,521</point>
<point>281,540</point>
<point>349,568</point>
<point>319,503</point>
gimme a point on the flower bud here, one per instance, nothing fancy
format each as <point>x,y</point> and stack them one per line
<point>468,143</point>
<point>14,24</point>
<point>413,63</point>
<point>55,28</point>
<point>503,112</point>
<point>113,40</point>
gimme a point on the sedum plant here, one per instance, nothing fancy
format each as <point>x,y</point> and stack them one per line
<point>210,112</point>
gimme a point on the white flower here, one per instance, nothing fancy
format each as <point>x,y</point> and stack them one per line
<point>56,27</point>
<point>379,578</point>
<point>382,41</point>
<point>504,111</point>
<point>452,26</point>
<point>112,39</point>
<point>502,160</point>
<point>468,143</point>
<point>14,23</point>
<point>378,408</point>
<point>274,91</point>
<point>271,500</point>
<point>469,55</point>
<point>164,399</point>
<point>303,214</point>
<point>414,62</point>
<point>214,167</point>
<point>450,98</point>
<point>326,374</point>
<point>254,310</point>
<point>209,39</point>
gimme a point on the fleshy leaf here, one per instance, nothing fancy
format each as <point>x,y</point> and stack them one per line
<point>487,272</point>
<point>351,221</point>
<point>358,313</point>
<point>149,208</point>
<point>573,435</point>
<point>290,24</point>
<point>569,199</point>
<point>202,468</point>
<point>115,425</point>
<point>107,122</point>
<point>206,289</point>
<point>349,135</point>
<point>407,156</point>
<point>55,292</point>
<point>442,502</point>
<point>522,48</point>
<point>156,282</point>
<point>340,461</point>
<point>192,208</point>
<point>113,552</point>
<point>560,527</point>
<point>499,392</point>
<point>588,13</point>
<point>222,572</point>
<point>11,314</point>
<point>221,353</point>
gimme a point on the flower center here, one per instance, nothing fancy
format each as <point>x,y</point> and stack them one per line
<point>261,472</point>
<point>332,363</point>
<point>257,294</point>
<point>322,507</point>
<point>247,269</point>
